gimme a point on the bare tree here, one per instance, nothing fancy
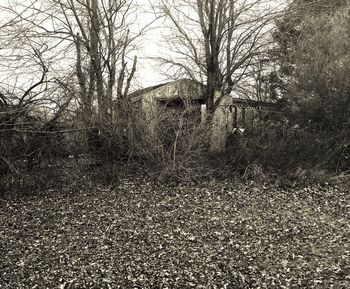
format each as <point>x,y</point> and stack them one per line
<point>61,54</point>
<point>28,77</point>
<point>100,33</point>
<point>216,40</point>
<point>31,99</point>
<point>95,35</point>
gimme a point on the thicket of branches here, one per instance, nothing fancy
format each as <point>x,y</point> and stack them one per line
<point>68,68</point>
<point>312,40</point>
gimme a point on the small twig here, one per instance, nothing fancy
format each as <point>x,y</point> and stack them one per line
<point>340,158</point>
<point>10,165</point>
<point>47,132</point>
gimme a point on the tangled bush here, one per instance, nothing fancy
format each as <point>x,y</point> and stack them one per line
<point>176,146</point>
<point>286,146</point>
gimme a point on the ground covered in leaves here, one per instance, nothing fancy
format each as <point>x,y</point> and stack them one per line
<point>142,234</point>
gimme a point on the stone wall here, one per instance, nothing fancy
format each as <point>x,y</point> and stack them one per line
<point>182,89</point>
<point>222,124</point>
<point>222,121</point>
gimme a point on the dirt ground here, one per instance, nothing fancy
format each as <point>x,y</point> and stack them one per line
<point>143,234</point>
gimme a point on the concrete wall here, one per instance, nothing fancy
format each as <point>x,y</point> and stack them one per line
<point>181,89</point>
<point>222,124</point>
<point>222,121</point>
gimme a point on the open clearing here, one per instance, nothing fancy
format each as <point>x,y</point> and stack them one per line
<point>147,235</point>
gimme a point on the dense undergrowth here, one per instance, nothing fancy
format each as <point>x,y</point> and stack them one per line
<point>278,153</point>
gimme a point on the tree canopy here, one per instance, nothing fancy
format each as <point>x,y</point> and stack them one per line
<point>313,39</point>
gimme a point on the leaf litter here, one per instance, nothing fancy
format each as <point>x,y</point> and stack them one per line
<point>144,234</point>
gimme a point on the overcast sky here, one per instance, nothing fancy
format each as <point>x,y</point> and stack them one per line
<point>153,43</point>
<point>150,46</point>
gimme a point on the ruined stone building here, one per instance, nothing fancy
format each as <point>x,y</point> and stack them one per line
<point>230,113</point>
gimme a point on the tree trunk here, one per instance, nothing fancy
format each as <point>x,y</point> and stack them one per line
<point>85,97</point>
<point>95,55</point>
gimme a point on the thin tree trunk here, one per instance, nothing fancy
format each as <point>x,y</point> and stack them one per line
<point>96,61</point>
<point>84,95</point>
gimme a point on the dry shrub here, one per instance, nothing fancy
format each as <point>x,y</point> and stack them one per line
<point>25,182</point>
<point>254,172</point>
<point>288,148</point>
<point>182,141</point>
<point>175,148</point>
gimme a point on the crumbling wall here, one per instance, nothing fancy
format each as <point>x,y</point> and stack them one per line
<point>182,89</point>
<point>222,124</point>
<point>222,119</point>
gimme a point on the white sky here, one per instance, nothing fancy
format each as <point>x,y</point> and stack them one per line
<point>153,44</point>
<point>148,71</point>
<point>149,46</point>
